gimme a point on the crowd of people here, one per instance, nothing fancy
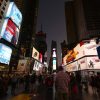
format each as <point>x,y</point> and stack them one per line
<point>70,86</point>
<point>67,85</point>
<point>29,82</point>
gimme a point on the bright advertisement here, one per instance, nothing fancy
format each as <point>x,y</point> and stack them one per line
<point>35,54</point>
<point>54,52</point>
<point>54,63</point>
<point>64,60</point>
<point>10,32</point>
<point>90,47</point>
<point>14,13</point>
<point>84,48</point>
<point>5,54</point>
<point>72,66</point>
<point>40,57</point>
<point>23,65</point>
<point>37,66</point>
<point>82,64</point>
<point>74,54</point>
<point>93,62</point>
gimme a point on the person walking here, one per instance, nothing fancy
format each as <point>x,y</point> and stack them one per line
<point>61,84</point>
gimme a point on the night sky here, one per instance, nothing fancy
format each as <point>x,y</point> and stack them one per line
<point>52,17</point>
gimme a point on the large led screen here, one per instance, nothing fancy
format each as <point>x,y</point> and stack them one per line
<point>93,62</point>
<point>73,66</point>
<point>37,66</point>
<point>35,54</point>
<point>14,13</point>
<point>22,65</point>
<point>40,57</point>
<point>84,48</point>
<point>5,54</point>
<point>10,32</point>
<point>54,64</point>
<point>82,64</point>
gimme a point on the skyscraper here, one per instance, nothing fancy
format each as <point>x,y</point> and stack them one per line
<point>84,17</point>
<point>54,62</point>
<point>70,22</point>
<point>30,12</point>
<point>40,42</point>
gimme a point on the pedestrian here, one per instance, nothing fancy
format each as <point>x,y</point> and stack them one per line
<point>98,83</point>
<point>27,82</point>
<point>33,80</point>
<point>61,84</point>
<point>13,84</point>
<point>93,83</point>
<point>73,87</point>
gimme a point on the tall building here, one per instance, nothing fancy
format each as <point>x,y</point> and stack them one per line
<point>64,48</point>
<point>70,22</point>
<point>54,63</point>
<point>28,29</point>
<point>83,17</point>
<point>40,43</point>
<point>3,8</point>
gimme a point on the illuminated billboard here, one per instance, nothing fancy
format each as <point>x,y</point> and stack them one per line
<point>82,64</point>
<point>35,54</point>
<point>93,62</point>
<point>54,63</point>
<point>10,32</point>
<point>5,54</point>
<point>40,57</point>
<point>54,52</point>
<point>14,13</point>
<point>23,65</point>
<point>84,48</point>
<point>72,67</point>
<point>37,66</point>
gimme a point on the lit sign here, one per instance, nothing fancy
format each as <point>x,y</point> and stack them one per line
<point>5,54</point>
<point>54,52</point>
<point>35,54</point>
<point>10,32</point>
<point>72,66</point>
<point>54,63</point>
<point>14,13</point>
<point>84,48</point>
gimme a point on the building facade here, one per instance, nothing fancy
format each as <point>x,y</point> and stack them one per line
<point>70,22</point>
<point>54,62</point>
<point>82,19</point>
<point>40,43</point>
<point>28,28</point>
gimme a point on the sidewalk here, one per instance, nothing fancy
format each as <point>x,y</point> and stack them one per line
<point>44,93</point>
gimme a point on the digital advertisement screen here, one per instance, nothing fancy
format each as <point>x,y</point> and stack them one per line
<point>37,66</point>
<point>54,63</point>
<point>93,62</point>
<point>35,54</point>
<point>22,65</point>
<point>84,48</point>
<point>5,54</point>
<point>54,52</point>
<point>14,13</point>
<point>40,57</point>
<point>10,32</point>
<point>72,66</point>
<point>82,64</point>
